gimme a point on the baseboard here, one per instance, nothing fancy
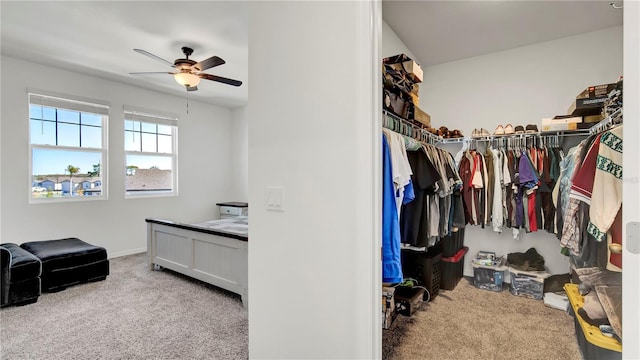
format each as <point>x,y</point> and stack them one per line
<point>127,252</point>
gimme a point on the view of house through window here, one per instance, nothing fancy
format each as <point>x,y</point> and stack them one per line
<point>150,149</point>
<point>67,140</point>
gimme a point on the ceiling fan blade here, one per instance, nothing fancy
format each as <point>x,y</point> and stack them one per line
<point>221,79</point>
<point>146,53</point>
<point>208,63</point>
<point>191,88</point>
<point>150,73</point>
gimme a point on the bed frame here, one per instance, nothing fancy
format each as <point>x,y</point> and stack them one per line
<point>214,257</point>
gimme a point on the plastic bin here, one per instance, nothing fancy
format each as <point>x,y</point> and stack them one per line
<point>423,266</point>
<point>452,269</point>
<point>489,277</point>
<point>593,344</point>
<point>527,283</point>
<point>452,244</point>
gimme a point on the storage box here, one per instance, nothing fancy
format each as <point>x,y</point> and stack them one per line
<point>403,62</point>
<point>527,283</point>
<point>593,344</point>
<point>561,123</point>
<point>452,244</point>
<point>408,299</point>
<point>421,116</point>
<point>489,276</point>
<point>388,306</point>
<point>596,91</point>
<point>423,266</point>
<point>587,106</point>
<point>452,269</point>
<point>592,118</point>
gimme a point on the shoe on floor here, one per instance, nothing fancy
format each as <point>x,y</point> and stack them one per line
<point>531,129</point>
<point>499,130</point>
<point>508,130</point>
<point>519,129</point>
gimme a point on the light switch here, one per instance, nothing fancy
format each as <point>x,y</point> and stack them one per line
<point>275,198</point>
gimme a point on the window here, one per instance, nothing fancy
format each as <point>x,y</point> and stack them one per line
<point>150,149</point>
<point>68,149</point>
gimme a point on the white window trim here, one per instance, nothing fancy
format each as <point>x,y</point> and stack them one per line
<point>158,117</point>
<point>58,98</point>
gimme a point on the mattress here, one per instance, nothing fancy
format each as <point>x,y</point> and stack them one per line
<point>238,225</point>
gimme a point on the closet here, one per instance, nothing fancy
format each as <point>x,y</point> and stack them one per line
<point>490,91</point>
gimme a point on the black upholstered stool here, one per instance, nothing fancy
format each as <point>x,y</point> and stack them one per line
<point>20,276</point>
<point>67,262</point>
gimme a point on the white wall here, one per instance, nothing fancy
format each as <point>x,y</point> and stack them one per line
<point>240,154</point>
<point>518,86</point>
<point>392,44</point>
<point>204,163</point>
<point>312,130</point>
<point>631,181</point>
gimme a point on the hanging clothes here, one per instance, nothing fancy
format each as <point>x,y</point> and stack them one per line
<point>424,178</point>
<point>391,265</point>
<point>607,184</point>
<point>401,170</point>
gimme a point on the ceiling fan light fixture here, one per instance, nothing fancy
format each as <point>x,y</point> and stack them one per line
<point>187,79</point>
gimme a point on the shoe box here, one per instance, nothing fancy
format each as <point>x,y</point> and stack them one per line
<point>591,100</point>
<point>561,123</point>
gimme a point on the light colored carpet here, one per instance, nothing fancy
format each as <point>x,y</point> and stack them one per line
<point>471,323</point>
<point>135,313</point>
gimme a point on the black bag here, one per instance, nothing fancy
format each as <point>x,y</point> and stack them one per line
<point>394,103</point>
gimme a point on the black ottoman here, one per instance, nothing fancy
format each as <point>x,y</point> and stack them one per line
<point>20,276</point>
<point>67,262</point>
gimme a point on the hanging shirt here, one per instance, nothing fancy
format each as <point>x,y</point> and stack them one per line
<point>497,216</point>
<point>401,170</point>
<point>413,216</point>
<point>606,198</point>
<point>391,266</point>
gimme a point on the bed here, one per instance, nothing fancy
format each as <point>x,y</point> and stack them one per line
<point>213,251</point>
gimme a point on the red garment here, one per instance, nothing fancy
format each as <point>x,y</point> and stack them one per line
<point>582,182</point>
<point>531,204</point>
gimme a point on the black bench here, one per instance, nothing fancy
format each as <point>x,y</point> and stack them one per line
<point>67,262</point>
<point>20,276</point>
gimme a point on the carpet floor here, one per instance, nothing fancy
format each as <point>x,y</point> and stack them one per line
<point>141,314</point>
<point>134,314</point>
<point>471,323</point>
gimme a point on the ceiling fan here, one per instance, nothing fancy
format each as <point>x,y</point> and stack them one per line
<point>189,72</point>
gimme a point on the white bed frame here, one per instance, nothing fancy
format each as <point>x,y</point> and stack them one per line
<point>215,259</point>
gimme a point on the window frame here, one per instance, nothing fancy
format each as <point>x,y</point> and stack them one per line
<point>149,116</point>
<point>70,103</point>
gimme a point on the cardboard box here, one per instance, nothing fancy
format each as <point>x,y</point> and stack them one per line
<point>527,283</point>
<point>421,116</point>
<point>596,91</point>
<point>592,118</point>
<point>561,124</point>
<point>388,306</point>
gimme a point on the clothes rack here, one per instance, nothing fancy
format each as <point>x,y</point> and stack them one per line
<point>407,128</point>
<point>614,119</point>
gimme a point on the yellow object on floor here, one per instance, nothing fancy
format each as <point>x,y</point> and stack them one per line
<point>591,333</point>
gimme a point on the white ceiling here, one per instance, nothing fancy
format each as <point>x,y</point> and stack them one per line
<point>98,37</point>
<point>442,31</point>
